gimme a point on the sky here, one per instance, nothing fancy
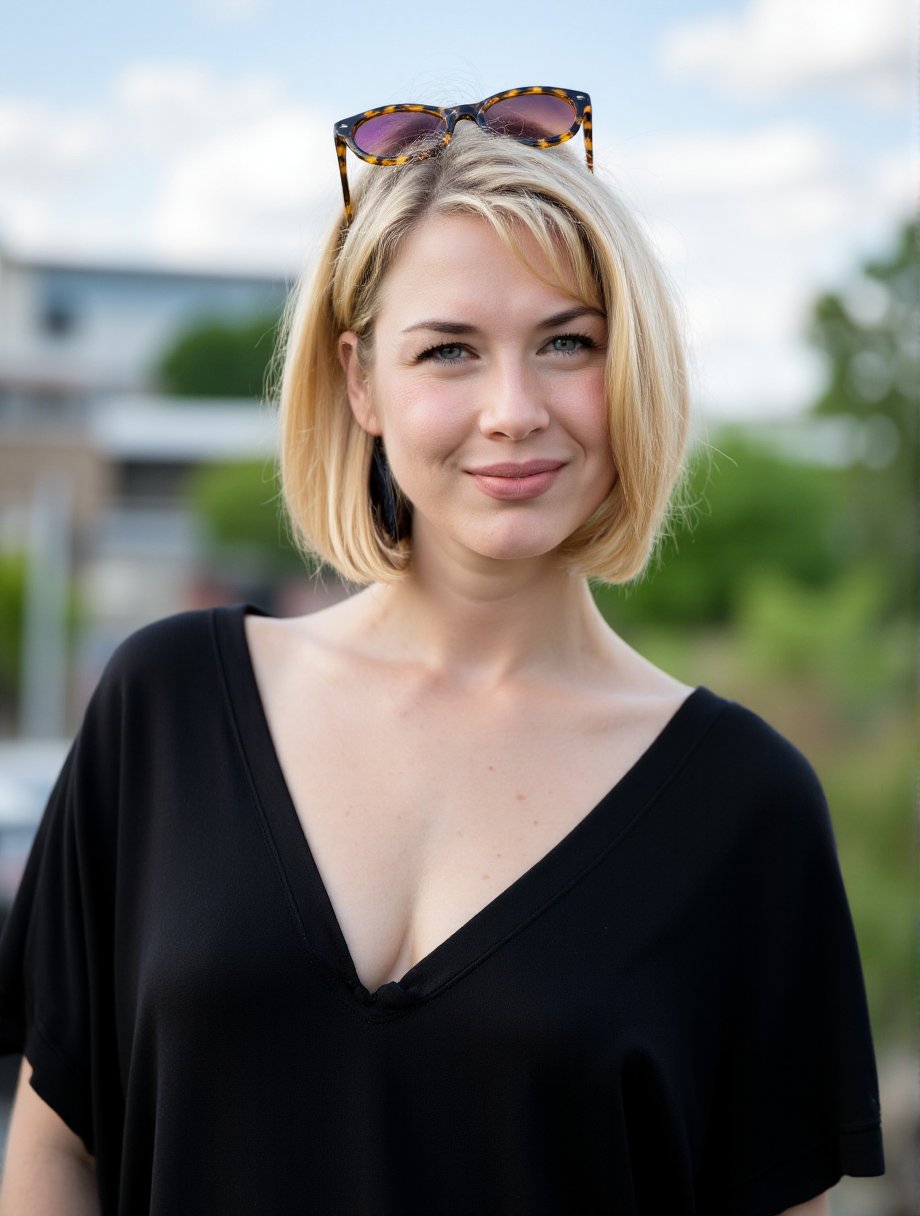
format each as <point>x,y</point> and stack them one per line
<point>767,146</point>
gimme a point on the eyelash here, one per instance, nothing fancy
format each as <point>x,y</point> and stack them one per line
<point>431,354</point>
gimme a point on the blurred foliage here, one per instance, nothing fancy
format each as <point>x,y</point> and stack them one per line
<point>14,574</point>
<point>12,613</point>
<point>749,510</point>
<point>245,526</point>
<point>870,335</point>
<point>835,638</point>
<point>868,777</point>
<point>217,358</point>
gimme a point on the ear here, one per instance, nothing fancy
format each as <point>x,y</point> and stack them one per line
<point>356,384</point>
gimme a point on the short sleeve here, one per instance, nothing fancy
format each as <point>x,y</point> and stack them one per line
<point>797,1103</point>
<point>55,950</point>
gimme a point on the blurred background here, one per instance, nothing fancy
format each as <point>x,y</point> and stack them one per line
<point>166,174</point>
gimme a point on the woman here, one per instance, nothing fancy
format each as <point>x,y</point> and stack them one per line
<point>443,899</point>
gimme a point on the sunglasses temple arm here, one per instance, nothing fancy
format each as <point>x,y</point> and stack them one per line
<point>340,149</point>
<point>588,132</point>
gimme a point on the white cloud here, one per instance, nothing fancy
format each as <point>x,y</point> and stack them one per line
<point>244,174</point>
<point>254,191</point>
<point>777,47</point>
<point>750,227</point>
<point>176,163</point>
<point>713,162</point>
<point>172,106</point>
<point>41,148</point>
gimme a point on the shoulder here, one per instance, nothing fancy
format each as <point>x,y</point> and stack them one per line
<point>754,749</point>
<point>761,777</point>
<point>170,637</point>
<point>768,833</point>
<point>172,641</point>
<point>156,697</point>
<point>159,660</point>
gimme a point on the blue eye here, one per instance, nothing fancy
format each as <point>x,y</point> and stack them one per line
<point>446,353</point>
<point>571,344</point>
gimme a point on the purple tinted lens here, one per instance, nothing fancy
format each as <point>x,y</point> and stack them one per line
<point>392,134</point>
<point>531,116</point>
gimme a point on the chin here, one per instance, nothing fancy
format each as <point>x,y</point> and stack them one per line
<point>507,539</point>
<point>516,548</point>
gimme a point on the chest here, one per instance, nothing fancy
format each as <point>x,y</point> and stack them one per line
<point>419,809</point>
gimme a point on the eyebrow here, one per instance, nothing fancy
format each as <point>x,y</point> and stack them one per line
<point>460,327</point>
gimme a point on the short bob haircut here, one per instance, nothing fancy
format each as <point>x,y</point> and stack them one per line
<point>589,238</point>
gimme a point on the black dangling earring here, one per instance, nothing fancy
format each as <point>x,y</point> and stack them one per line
<point>383,492</point>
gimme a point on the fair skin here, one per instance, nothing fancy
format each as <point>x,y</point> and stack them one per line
<point>490,660</point>
<point>47,1168</point>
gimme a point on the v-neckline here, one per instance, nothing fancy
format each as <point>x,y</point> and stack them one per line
<point>507,913</point>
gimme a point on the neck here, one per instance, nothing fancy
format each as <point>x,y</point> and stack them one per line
<point>487,622</point>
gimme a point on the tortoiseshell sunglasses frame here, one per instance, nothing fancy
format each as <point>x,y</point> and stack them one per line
<point>344,130</point>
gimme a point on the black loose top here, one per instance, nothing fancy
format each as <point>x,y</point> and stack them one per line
<point>665,1014</point>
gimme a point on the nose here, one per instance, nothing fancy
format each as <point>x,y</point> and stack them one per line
<point>512,405</point>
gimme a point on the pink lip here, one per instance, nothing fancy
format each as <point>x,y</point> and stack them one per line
<point>525,468</point>
<point>516,482</point>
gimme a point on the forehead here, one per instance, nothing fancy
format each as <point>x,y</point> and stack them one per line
<point>459,263</point>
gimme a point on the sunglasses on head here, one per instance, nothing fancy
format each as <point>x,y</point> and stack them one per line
<point>394,135</point>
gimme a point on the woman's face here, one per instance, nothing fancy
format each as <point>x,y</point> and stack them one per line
<point>487,386</point>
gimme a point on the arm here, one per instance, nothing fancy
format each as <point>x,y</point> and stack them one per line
<point>819,1206</point>
<point>48,1171</point>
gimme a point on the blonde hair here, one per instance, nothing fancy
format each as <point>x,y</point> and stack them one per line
<point>587,235</point>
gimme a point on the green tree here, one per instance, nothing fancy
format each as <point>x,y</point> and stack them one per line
<point>14,575</point>
<point>750,511</point>
<point>12,610</point>
<point>245,526</point>
<point>869,332</point>
<point>219,358</point>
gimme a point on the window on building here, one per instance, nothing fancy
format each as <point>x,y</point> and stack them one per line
<point>59,317</point>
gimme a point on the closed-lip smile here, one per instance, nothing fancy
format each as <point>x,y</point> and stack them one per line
<point>517,481</point>
<point>526,468</point>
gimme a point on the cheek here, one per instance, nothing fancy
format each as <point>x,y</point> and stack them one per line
<point>586,413</point>
<point>422,425</point>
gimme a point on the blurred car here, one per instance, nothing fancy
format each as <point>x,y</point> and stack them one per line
<point>28,770</point>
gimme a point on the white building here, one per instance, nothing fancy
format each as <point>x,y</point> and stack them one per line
<point>66,327</point>
<point>93,458</point>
